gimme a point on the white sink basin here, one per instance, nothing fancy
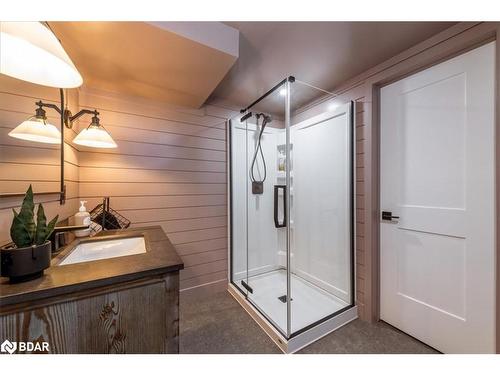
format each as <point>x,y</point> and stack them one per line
<point>105,249</point>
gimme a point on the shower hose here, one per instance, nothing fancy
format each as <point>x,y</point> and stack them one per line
<point>258,150</point>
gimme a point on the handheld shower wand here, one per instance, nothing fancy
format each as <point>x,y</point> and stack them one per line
<point>258,185</point>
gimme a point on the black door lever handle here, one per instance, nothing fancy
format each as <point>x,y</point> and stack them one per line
<point>387,215</point>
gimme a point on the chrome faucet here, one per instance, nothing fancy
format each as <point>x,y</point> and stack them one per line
<point>57,237</point>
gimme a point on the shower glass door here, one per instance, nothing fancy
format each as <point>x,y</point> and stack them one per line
<point>266,207</point>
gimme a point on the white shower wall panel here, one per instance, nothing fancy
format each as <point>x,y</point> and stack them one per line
<point>321,203</point>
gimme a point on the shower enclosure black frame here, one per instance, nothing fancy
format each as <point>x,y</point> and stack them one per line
<point>352,129</point>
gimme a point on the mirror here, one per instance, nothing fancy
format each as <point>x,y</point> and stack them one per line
<point>24,162</point>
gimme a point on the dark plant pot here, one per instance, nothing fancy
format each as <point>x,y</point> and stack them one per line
<point>25,263</point>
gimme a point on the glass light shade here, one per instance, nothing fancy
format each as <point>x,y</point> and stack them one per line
<point>95,136</point>
<point>31,52</point>
<point>37,130</point>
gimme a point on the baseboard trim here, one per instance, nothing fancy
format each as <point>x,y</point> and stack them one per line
<point>204,289</point>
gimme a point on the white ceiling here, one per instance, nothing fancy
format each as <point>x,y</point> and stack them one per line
<point>324,54</point>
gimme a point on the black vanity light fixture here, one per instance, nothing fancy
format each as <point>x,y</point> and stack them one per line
<point>38,129</point>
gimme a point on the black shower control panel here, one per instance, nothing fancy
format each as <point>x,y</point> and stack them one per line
<point>257,187</point>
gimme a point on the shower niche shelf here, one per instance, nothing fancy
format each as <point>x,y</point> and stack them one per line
<point>281,161</point>
<point>281,177</point>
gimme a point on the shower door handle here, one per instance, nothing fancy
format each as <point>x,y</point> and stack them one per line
<point>277,223</point>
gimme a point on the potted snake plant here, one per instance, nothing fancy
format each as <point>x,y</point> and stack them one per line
<point>29,253</point>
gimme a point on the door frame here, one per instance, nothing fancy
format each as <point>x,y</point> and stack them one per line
<point>455,41</point>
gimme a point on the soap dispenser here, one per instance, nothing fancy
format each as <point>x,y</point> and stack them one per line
<point>82,218</point>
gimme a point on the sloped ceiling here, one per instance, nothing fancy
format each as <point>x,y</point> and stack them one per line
<point>324,54</point>
<point>167,61</point>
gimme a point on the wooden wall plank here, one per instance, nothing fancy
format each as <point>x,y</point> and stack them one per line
<point>145,108</point>
<point>183,225</point>
<point>162,201</point>
<point>205,257</point>
<point>197,235</point>
<point>162,214</point>
<point>35,172</point>
<point>100,189</point>
<point>142,149</point>
<point>165,138</point>
<point>132,121</point>
<point>201,246</point>
<point>102,160</point>
<point>90,174</point>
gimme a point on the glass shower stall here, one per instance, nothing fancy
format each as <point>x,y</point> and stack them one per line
<point>291,209</point>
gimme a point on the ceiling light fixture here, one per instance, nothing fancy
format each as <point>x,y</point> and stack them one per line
<point>31,52</point>
<point>332,106</point>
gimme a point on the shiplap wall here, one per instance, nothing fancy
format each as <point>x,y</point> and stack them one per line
<point>24,162</point>
<point>169,169</point>
<point>360,204</point>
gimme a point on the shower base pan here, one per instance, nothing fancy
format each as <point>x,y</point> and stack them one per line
<point>312,304</point>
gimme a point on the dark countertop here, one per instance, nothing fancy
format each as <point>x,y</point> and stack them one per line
<point>160,258</point>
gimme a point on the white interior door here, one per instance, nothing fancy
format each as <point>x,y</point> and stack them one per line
<point>437,174</point>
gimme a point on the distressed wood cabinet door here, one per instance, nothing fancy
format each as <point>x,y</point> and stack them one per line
<point>141,318</point>
<point>55,324</point>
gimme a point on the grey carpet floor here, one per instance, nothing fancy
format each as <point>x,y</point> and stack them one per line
<point>217,324</point>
